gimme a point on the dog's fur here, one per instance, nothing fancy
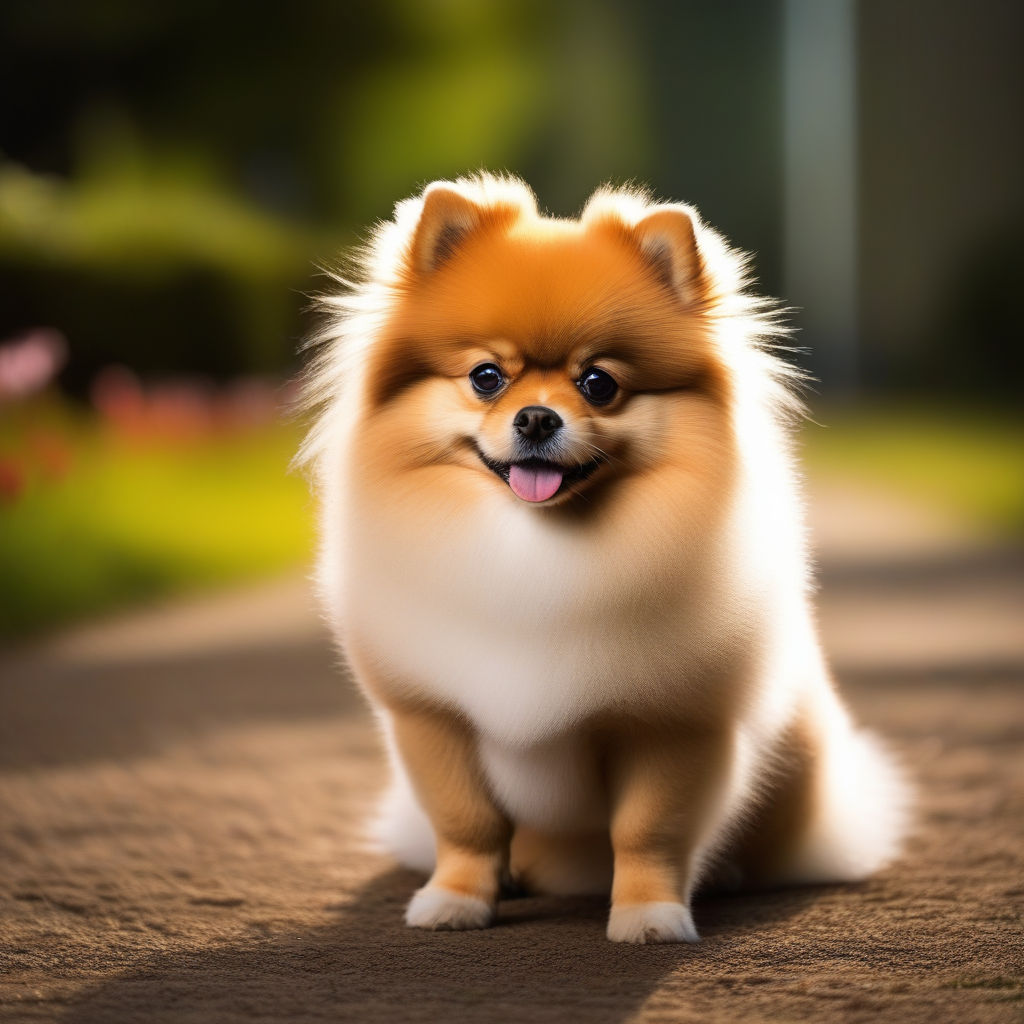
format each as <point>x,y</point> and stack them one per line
<point>619,688</point>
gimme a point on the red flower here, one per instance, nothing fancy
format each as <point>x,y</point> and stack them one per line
<point>52,453</point>
<point>12,480</point>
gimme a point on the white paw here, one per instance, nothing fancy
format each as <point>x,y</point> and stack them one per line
<point>652,922</point>
<point>444,910</point>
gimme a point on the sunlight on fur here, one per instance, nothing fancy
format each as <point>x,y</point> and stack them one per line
<point>563,551</point>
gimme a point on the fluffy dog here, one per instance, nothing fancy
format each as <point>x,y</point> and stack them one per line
<point>563,550</point>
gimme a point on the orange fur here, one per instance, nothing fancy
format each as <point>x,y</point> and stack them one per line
<point>626,666</point>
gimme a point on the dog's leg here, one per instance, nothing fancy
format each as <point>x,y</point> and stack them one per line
<point>666,787</point>
<point>472,833</point>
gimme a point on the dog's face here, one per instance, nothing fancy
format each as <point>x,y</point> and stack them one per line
<point>548,362</point>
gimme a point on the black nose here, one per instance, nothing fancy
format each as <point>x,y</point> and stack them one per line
<point>537,422</point>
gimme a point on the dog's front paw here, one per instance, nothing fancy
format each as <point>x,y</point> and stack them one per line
<point>651,922</point>
<point>444,910</point>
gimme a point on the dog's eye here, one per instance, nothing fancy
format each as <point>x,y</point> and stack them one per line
<point>486,379</point>
<point>597,386</point>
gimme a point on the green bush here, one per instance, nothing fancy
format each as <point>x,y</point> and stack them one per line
<point>133,519</point>
<point>163,272</point>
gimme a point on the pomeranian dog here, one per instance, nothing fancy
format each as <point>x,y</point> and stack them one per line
<point>563,550</point>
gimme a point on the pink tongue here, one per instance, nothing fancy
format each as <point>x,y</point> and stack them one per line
<point>534,483</point>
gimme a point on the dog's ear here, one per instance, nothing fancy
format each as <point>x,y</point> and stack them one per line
<point>669,244</point>
<point>446,218</point>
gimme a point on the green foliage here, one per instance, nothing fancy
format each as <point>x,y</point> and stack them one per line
<point>137,216</point>
<point>192,195</point>
<point>970,462</point>
<point>135,520</point>
<point>151,266</point>
<point>546,91</point>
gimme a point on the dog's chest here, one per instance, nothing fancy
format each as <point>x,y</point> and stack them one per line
<point>525,632</point>
<point>554,784</point>
<point>518,678</point>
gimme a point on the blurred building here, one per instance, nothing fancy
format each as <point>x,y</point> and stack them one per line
<point>872,154</point>
<point>941,193</point>
<point>170,174</point>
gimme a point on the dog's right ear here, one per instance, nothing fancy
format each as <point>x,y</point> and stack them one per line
<point>446,218</point>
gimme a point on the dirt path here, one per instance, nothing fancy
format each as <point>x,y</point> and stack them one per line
<point>180,794</point>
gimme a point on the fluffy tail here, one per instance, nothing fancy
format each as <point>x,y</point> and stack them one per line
<point>862,810</point>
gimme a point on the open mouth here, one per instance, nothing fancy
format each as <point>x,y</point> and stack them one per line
<point>538,479</point>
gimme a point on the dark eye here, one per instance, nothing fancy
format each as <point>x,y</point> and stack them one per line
<point>486,379</point>
<point>597,386</point>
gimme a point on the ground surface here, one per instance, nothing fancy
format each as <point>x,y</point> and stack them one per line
<point>180,793</point>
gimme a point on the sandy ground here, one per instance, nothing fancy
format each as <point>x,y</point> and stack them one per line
<point>181,792</point>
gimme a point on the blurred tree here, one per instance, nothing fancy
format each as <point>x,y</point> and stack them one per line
<point>174,170</point>
<point>170,128</point>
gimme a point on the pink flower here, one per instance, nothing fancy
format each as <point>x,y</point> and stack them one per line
<point>180,409</point>
<point>249,402</point>
<point>30,362</point>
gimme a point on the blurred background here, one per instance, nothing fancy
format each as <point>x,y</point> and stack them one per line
<point>171,175</point>
<point>184,773</point>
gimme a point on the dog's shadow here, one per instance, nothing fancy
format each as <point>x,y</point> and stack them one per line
<point>546,959</point>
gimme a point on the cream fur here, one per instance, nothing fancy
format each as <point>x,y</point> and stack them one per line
<point>441,910</point>
<point>652,922</point>
<point>491,609</point>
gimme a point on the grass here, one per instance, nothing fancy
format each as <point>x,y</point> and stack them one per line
<point>136,519</point>
<point>968,462</point>
<point>132,521</point>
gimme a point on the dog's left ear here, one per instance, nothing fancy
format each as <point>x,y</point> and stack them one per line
<point>669,244</point>
<point>446,218</point>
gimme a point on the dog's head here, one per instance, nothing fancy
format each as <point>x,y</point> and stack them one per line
<point>544,360</point>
